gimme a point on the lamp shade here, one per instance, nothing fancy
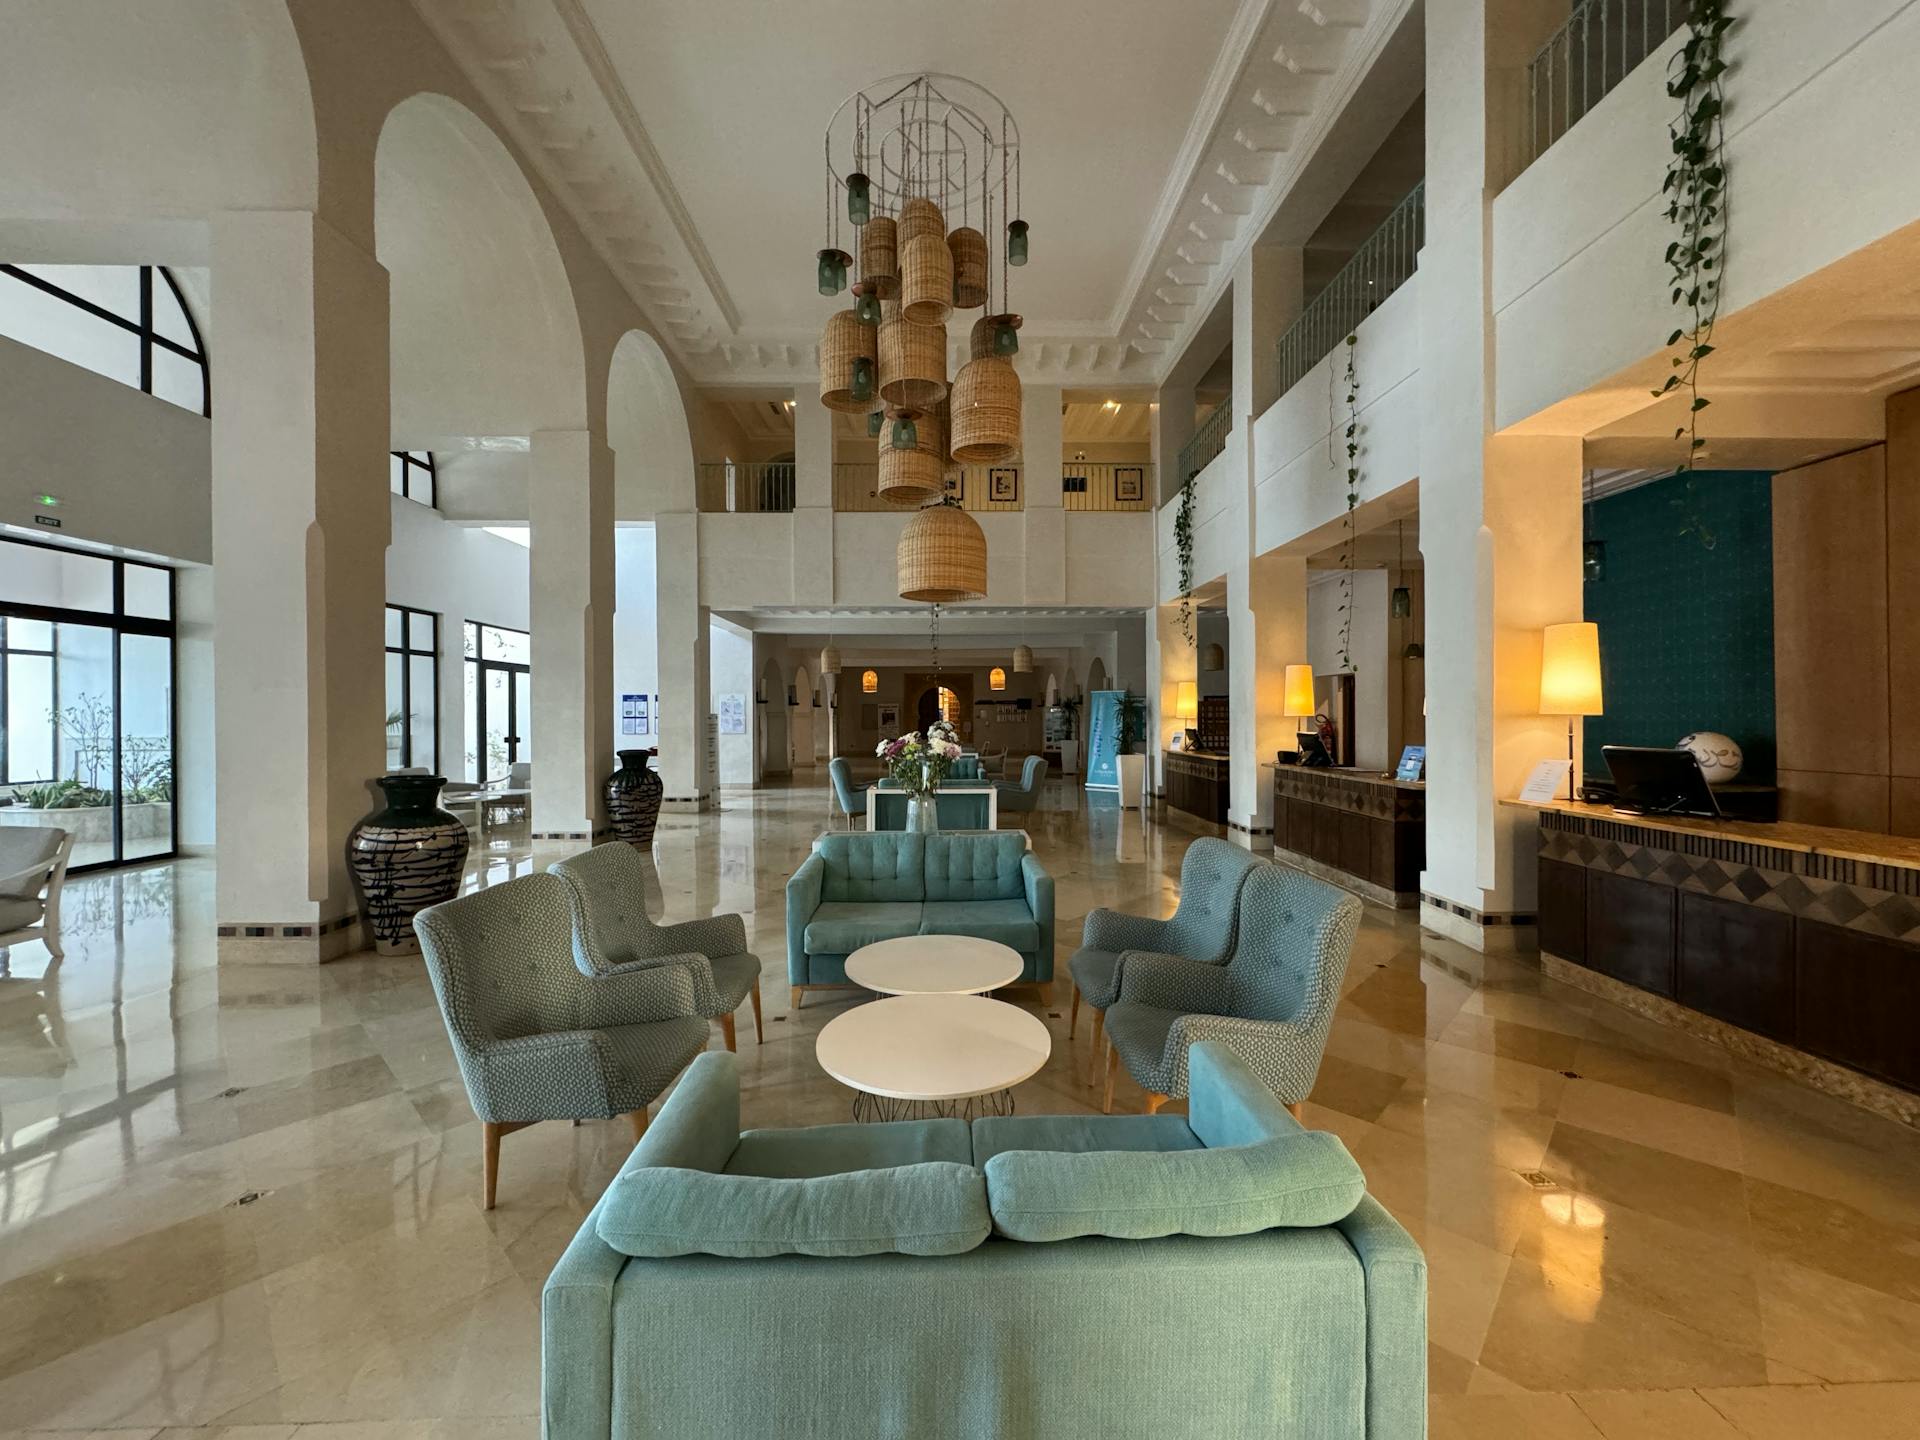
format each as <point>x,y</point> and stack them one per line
<point>1186,702</point>
<point>1213,658</point>
<point>942,556</point>
<point>830,661</point>
<point>1570,669</point>
<point>1022,660</point>
<point>869,682</point>
<point>1299,700</point>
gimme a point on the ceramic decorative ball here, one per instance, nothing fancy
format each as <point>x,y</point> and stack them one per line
<point>1720,759</point>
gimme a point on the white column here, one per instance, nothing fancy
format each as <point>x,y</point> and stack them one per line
<point>1172,429</point>
<point>1046,522</point>
<point>813,499</point>
<point>570,601</point>
<point>683,665</point>
<point>300,530</point>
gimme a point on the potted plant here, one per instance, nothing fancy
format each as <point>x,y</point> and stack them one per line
<point>917,765</point>
<point>1132,764</point>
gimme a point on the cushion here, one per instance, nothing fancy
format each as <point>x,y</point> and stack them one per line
<point>1008,921</point>
<point>1096,974</point>
<point>16,914</point>
<point>1227,1104</point>
<point>1079,1133</point>
<point>835,1149</point>
<point>1300,1180</point>
<point>930,1209</point>
<point>839,927</point>
<point>975,867</point>
<point>873,865</point>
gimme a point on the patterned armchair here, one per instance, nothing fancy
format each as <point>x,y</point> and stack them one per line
<point>852,798</point>
<point>1201,928</point>
<point>611,928</point>
<point>536,1039</point>
<point>1024,795</point>
<point>1271,1003</point>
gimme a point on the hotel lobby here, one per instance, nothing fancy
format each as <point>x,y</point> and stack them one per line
<point>1085,720</point>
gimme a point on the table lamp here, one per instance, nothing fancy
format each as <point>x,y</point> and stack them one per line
<point>1186,703</point>
<point>1570,677</point>
<point>1298,701</point>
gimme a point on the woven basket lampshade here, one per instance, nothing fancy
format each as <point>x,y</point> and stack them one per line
<point>986,411</point>
<point>1022,660</point>
<point>969,249</point>
<point>913,363</point>
<point>926,280</point>
<point>880,256</point>
<point>920,216</point>
<point>844,341</point>
<point>942,557</point>
<point>830,657</point>
<point>980,339</point>
<point>913,477</point>
<point>1213,658</point>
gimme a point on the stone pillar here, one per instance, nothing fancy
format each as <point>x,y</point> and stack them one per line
<point>1172,429</point>
<point>1170,660</point>
<point>683,662</point>
<point>1046,522</point>
<point>300,530</point>
<point>1499,515</point>
<point>570,602</point>
<point>813,499</point>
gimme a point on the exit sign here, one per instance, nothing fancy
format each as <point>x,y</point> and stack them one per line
<point>50,521</point>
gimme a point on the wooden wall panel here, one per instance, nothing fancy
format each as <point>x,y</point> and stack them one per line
<point>1825,797</point>
<point>1903,586</point>
<point>1905,805</point>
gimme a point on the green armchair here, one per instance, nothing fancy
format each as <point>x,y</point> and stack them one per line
<point>1272,1003</point>
<point>611,928</point>
<point>1025,794</point>
<point>535,1038</point>
<point>852,798</point>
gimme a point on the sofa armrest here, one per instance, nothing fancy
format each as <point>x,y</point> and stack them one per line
<point>713,935</point>
<point>1227,1103</point>
<point>576,1337</point>
<point>1395,1273</point>
<point>565,1069</point>
<point>1173,982</point>
<point>1039,888</point>
<point>637,994</point>
<point>803,898</point>
<point>1117,931</point>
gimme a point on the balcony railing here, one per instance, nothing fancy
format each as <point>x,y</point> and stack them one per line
<point>1208,441</point>
<point>1602,41</point>
<point>1094,485</point>
<point>1085,485</point>
<point>1379,267</point>
<point>746,488</point>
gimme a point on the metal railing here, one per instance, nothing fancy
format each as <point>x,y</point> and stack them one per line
<point>1096,485</point>
<point>1208,441</point>
<point>1379,267</point>
<point>747,487</point>
<point>855,487</point>
<point>1602,41</point>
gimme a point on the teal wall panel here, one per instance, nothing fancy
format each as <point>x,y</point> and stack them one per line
<point>1686,633</point>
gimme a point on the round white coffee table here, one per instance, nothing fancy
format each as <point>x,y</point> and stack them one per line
<point>934,965</point>
<point>914,1056</point>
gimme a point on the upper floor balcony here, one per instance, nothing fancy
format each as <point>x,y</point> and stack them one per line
<point>762,488</point>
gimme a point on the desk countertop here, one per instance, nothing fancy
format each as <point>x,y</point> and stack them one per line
<point>1863,845</point>
<point>1345,772</point>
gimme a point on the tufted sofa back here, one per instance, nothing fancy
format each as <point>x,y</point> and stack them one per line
<point>873,865</point>
<point>975,867</point>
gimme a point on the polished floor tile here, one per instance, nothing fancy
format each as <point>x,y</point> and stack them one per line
<point>241,1202</point>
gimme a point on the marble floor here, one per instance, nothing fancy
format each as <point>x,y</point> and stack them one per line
<point>243,1201</point>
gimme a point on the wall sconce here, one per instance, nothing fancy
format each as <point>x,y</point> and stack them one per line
<point>996,679</point>
<point>869,683</point>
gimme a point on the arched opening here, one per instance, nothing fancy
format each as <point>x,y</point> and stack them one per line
<point>1096,675</point>
<point>800,721</point>
<point>653,467</point>
<point>940,703</point>
<point>772,698</point>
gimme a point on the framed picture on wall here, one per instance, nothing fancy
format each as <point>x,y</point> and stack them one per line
<point>641,722</point>
<point>889,719</point>
<point>1003,483</point>
<point>1129,483</point>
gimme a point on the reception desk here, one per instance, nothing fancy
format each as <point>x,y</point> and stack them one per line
<point>1356,828</point>
<point>1198,782</point>
<point>1796,945</point>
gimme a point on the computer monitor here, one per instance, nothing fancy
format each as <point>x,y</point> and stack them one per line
<point>1650,780</point>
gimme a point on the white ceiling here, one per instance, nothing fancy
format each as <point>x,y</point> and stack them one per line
<point>685,136</point>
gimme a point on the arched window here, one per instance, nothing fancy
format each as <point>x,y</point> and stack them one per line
<point>949,706</point>
<point>869,682</point>
<point>411,474</point>
<point>127,322</point>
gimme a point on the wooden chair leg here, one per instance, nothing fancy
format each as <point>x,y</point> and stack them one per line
<point>638,1120</point>
<point>1113,1067</point>
<point>726,1030</point>
<point>1073,1013</point>
<point>489,1162</point>
<point>759,1027</point>
<point>1154,1102</point>
<point>1045,989</point>
<point>1093,1060</point>
<point>1297,1110</point>
<point>798,991</point>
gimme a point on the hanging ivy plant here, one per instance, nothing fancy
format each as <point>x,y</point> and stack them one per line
<point>1696,191</point>
<point>1183,541</point>
<point>1353,501</point>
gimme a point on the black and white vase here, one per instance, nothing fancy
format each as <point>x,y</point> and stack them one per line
<point>405,858</point>
<point>633,798</point>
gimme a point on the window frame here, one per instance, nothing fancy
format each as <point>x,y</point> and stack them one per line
<point>141,326</point>
<point>410,461</point>
<point>406,651</point>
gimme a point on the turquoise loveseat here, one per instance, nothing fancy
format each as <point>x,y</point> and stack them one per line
<point>855,889</point>
<point>1226,1275</point>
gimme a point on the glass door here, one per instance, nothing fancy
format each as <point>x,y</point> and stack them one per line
<point>500,700</point>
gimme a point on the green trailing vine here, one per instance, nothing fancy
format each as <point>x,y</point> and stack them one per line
<point>1183,541</point>
<point>1353,501</point>
<point>1696,191</point>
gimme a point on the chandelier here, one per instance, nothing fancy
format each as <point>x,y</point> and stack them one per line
<point>907,158</point>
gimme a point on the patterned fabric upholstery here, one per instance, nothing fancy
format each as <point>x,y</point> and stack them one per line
<point>537,1039</point>
<point>1272,1003</point>
<point>1200,928</point>
<point>1026,794</point>
<point>611,928</point>
<point>853,799</point>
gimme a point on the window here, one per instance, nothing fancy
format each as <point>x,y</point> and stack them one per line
<point>499,691</point>
<point>413,688</point>
<point>26,701</point>
<point>127,322</point>
<point>412,476</point>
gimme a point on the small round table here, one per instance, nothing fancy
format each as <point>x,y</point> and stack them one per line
<point>934,965</point>
<point>915,1056</point>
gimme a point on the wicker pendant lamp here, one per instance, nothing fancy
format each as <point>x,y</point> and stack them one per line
<point>1213,658</point>
<point>848,356</point>
<point>1022,660</point>
<point>830,659</point>
<point>920,216</point>
<point>880,256</point>
<point>926,280</point>
<point>986,411</point>
<point>969,250</point>
<point>942,556</point>
<point>912,476</point>
<point>913,362</point>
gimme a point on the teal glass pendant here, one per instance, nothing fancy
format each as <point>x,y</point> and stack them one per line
<point>867,310</point>
<point>875,419</point>
<point>1006,340</point>
<point>833,271</point>
<point>862,377</point>
<point>1016,242</point>
<point>1402,602</point>
<point>906,436</point>
<point>859,198</point>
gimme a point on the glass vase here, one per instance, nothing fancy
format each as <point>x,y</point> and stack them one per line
<point>923,814</point>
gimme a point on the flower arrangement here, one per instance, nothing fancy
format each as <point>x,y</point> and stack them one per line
<point>919,763</point>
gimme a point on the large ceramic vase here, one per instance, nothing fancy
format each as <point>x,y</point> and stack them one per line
<point>633,798</point>
<point>405,858</point>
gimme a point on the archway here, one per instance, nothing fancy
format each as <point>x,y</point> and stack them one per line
<point>772,696</point>
<point>1096,675</point>
<point>800,721</point>
<point>653,468</point>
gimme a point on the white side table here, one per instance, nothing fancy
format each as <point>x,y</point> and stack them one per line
<point>916,1056</point>
<point>934,965</point>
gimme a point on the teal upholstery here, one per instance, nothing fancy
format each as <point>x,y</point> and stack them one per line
<point>534,1037</point>
<point>1074,1134</point>
<point>611,928</point>
<point>1025,794</point>
<point>937,1208</point>
<point>967,767</point>
<point>1272,1002</point>
<point>959,807</point>
<point>829,1149</point>
<point>1201,927</point>
<point>852,797</point>
<point>860,887</point>
<point>1307,1332</point>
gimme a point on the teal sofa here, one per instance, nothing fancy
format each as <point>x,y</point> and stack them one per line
<point>855,889</point>
<point>1222,1273</point>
